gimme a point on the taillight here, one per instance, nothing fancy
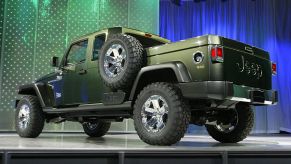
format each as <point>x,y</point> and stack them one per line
<point>217,54</point>
<point>274,68</point>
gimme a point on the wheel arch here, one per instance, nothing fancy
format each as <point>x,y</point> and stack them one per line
<point>166,72</point>
<point>31,89</point>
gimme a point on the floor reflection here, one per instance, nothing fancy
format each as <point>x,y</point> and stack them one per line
<point>131,141</point>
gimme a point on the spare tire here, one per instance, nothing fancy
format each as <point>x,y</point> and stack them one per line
<point>121,58</point>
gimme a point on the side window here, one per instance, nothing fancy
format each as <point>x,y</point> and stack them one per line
<point>98,43</point>
<point>77,53</point>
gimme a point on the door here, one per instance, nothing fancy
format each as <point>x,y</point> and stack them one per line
<point>94,82</point>
<point>74,66</point>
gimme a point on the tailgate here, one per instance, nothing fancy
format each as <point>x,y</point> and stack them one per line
<point>246,65</point>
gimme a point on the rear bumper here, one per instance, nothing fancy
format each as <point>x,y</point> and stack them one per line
<point>224,90</point>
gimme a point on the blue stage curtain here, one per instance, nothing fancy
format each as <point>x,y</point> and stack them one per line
<point>262,23</point>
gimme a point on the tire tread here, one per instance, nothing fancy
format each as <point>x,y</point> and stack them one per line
<point>136,55</point>
<point>241,131</point>
<point>181,116</point>
<point>101,130</point>
<point>37,118</point>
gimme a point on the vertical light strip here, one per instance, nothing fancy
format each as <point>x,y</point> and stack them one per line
<point>2,10</point>
<point>128,8</point>
<point>2,48</point>
<point>66,42</point>
<point>35,39</point>
<point>67,22</point>
<point>99,16</point>
<point>158,19</point>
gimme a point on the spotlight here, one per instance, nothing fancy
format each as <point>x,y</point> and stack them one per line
<point>177,2</point>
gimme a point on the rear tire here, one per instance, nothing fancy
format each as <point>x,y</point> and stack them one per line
<point>243,127</point>
<point>160,115</point>
<point>96,129</point>
<point>29,117</point>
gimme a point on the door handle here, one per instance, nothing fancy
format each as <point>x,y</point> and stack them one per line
<point>82,71</point>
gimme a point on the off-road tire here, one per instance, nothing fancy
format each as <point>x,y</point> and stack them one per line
<point>243,128</point>
<point>100,130</point>
<point>177,120</point>
<point>36,118</point>
<point>135,59</point>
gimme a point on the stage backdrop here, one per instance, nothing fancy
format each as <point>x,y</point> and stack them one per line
<point>262,23</point>
<point>35,30</point>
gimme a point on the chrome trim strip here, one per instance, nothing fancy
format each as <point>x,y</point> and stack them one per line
<point>268,102</point>
<point>249,100</point>
<point>240,99</point>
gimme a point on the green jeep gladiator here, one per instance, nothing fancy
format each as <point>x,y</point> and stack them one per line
<point>119,73</point>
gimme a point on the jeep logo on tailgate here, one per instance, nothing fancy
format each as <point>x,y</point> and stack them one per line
<point>249,49</point>
<point>250,68</point>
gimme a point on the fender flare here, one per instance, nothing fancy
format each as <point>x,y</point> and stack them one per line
<point>27,90</point>
<point>180,70</point>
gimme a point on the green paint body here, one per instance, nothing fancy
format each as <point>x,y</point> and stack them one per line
<point>239,66</point>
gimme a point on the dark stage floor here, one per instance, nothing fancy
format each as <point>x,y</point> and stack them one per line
<point>128,148</point>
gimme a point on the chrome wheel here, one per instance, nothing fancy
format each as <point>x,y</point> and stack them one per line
<point>228,127</point>
<point>114,60</point>
<point>23,116</point>
<point>155,113</point>
<point>91,126</point>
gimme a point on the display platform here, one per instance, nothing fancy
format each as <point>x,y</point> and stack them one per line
<point>114,148</point>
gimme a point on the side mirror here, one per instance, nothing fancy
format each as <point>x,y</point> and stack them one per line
<point>55,61</point>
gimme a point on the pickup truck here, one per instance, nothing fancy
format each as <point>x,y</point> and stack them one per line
<point>120,73</point>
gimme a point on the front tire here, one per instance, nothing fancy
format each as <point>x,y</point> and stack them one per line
<point>29,117</point>
<point>160,115</point>
<point>238,129</point>
<point>96,129</point>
